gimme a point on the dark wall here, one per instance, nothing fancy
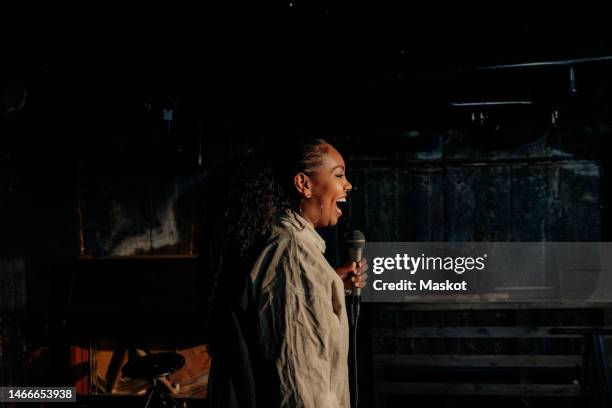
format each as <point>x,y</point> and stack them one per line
<point>458,191</point>
<point>423,185</point>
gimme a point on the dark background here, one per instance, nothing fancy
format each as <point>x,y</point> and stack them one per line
<point>87,159</point>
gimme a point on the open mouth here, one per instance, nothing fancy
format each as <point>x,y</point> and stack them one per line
<point>339,202</point>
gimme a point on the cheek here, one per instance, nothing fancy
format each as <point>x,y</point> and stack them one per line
<point>324,196</point>
<point>331,192</point>
<point>328,193</point>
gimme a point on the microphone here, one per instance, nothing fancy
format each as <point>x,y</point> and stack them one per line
<point>356,243</point>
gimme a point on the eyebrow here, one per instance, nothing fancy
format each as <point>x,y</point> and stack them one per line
<point>341,166</point>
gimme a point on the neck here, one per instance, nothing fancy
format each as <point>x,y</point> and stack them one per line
<point>305,216</point>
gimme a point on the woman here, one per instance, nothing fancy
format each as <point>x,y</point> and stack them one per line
<point>284,342</point>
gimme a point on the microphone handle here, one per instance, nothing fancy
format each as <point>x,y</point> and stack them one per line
<point>356,254</point>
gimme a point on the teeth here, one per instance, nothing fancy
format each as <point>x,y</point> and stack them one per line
<point>341,200</point>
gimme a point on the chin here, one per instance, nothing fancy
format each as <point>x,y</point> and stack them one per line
<point>330,222</point>
<point>333,221</point>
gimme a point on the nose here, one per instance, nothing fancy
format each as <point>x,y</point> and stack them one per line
<point>348,186</point>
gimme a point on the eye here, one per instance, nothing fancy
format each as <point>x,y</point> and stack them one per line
<point>339,175</point>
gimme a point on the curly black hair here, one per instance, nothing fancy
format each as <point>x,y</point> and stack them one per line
<point>259,191</point>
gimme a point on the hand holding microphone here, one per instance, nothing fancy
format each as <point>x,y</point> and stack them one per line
<point>354,275</point>
<point>356,243</point>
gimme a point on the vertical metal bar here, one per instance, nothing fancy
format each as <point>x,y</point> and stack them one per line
<point>600,357</point>
<point>572,79</point>
<point>354,319</point>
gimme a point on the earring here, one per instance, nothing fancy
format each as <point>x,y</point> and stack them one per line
<point>320,214</point>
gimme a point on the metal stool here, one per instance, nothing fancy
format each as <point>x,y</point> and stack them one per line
<point>154,367</point>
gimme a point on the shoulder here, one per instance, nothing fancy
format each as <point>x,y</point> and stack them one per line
<point>293,226</point>
<point>286,225</point>
<point>288,233</point>
<point>292,257</point>
<point>279,252</point>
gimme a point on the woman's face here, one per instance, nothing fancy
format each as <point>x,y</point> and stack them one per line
<point>328,186</point>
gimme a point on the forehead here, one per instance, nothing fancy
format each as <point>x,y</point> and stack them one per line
<point>332,158</point>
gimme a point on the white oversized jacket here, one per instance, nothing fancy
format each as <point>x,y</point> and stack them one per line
<point>302,321</point>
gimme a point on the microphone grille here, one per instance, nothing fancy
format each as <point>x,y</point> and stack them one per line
<point>356,239</point>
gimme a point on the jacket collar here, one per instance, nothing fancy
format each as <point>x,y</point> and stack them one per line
<point>301,224</point>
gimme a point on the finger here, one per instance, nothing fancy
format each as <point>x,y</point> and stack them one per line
<point>363,266</point>
<point>361,278</point>
<point>362,281</point>
<point>346,269</point>
<point>351,266</point>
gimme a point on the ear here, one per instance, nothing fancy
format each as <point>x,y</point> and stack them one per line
<point>303,185</point>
